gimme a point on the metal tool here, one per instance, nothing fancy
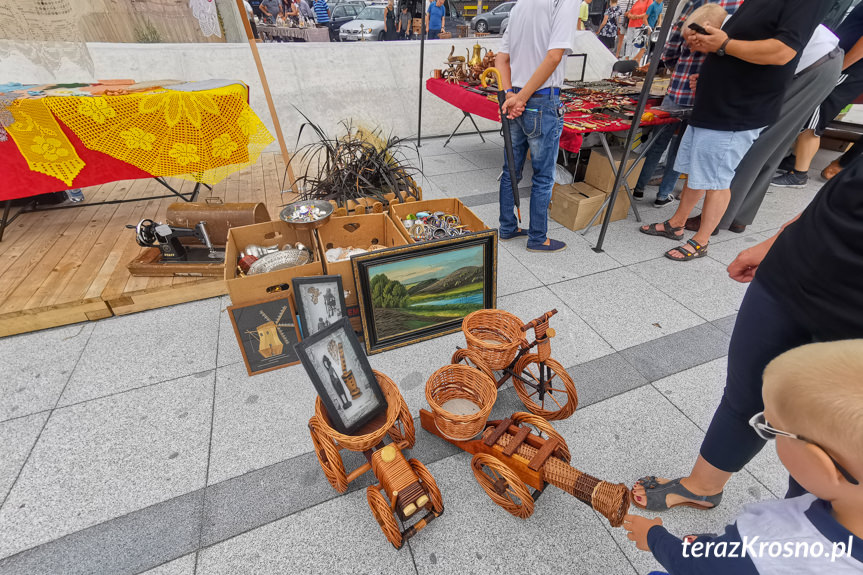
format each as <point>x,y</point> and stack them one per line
<point>507,135</point>
<point>167,238</point>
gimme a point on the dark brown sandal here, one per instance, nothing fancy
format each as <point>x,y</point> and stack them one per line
<point>694,223</point>
<point>668,232</point>
<point>700,252</point>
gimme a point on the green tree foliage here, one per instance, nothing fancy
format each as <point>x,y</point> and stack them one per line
<point>387,292</point>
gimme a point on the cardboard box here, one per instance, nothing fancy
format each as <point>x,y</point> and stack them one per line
<point>600,175</point>
<point>575,205</point>
<point>358,231</point>
<point>399,212</point>
<point>416,25</point>
<point>249,289</point>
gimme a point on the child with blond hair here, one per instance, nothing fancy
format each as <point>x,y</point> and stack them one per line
<point>813,408</point>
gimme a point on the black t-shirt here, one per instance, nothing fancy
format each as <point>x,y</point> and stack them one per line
<point>735,95</point>
<point>816,265</point>
<point>850,30</point>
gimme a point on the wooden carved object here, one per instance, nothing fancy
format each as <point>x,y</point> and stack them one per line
<point>336,348</point>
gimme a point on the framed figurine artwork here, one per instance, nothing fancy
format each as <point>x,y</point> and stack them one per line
<point>337,365</point>
<point>420,291</point>
<point>320,302</point>
<point>267,332</point>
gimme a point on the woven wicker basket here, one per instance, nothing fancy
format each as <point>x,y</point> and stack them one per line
<point>495,334</point>
<point>368,440</point>
<point>460,382</point>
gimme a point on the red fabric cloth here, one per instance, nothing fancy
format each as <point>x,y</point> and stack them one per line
<point>481,106</point>
<point>18,181</point>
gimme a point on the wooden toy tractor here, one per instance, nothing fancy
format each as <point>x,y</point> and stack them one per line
<point>405,487</point>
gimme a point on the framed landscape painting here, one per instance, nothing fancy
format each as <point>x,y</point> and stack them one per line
<point>412,293</point>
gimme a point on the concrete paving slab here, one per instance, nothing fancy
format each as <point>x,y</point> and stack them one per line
<point>183,566</point>
<point>512,276</point>
<point>661,357</point>
<point>446,164</point>
<point>577,260</point>
<point>36,367</point>
<point>229,348</point>
<point>710,293</point>
<point>726,324</point>
<point>105,458</point>
<point>604,377</point>
<point>623,308</point>
<point>127,352</point>
<point>340,535</point>
<point>260,420</point>
<point>463,184</point>
<point>17,437</point>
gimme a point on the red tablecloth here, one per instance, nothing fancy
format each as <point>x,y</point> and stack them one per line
<point>18,181</point>
<point>472,103</point>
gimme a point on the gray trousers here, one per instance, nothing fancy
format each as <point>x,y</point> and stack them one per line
<point>757,167</point>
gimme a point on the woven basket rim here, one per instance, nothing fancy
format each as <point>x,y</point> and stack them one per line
<point>471,373</point>
<point>484,345</point>
<point>368,440</point>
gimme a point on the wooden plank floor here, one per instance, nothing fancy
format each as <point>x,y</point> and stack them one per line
<point>66,266</point>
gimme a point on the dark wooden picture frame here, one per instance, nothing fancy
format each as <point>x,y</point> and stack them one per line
<point>352,398</point>
<point>444,279</point>
<point>306,304</point>
<point>267,332</point>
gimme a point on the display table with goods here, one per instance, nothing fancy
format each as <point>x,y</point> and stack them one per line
<point>295,34</point>
<point>58,137</point>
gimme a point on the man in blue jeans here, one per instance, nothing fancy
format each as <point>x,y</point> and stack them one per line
<point>435,19</point>
<point>531,67</point>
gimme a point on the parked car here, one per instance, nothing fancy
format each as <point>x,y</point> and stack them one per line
<point>368,25</point>
<point>491,21</point>
<point>342,14</point>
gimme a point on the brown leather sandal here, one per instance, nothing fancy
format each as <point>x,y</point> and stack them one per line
<point>669,231</point>
<point>700,252</point>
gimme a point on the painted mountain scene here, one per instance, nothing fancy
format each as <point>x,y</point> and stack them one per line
<point>427,290</point>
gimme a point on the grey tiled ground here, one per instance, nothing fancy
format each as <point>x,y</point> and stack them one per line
<point>113,462</point>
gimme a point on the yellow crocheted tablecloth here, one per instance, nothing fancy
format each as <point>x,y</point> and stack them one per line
<point>198,135</point>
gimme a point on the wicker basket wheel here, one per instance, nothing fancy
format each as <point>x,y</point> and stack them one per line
<point>496,335</point>
<point>460,384</point>
<point>492,475</point>
<point>403,433</point>
<point>472,358</point>
<point>365,441</point>
<point>384,516</point>
<point>328,456</point>
<point>543,427</point>
<point>430,484</point>
<point>560,399</point>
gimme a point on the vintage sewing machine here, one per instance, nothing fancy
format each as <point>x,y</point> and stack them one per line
<point>167,238</point>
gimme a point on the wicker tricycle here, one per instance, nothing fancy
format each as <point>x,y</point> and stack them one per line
<point>408,485</point>
<point>497,341</point>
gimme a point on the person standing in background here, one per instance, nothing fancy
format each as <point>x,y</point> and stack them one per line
<point>583,14</point>
<point>531,65</point>
<point>636,16</point>
<point>322,12</point>
<point>307,12</point>
<point>404,26</point>
<point>654,14</point>
<point>608,29</point>
<point>271,9</point>
<point>390,22</point>
<point>622,23</point>
<point>435,19</point>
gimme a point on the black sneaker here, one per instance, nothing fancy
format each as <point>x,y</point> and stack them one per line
<point>638,194</point>
<point>787,163</point>
<point>659,202</point>
<point>791,179</point>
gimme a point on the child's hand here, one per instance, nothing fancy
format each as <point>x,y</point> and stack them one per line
<point>638,527</point>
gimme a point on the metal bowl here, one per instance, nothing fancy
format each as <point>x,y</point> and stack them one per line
<point>307,222</point>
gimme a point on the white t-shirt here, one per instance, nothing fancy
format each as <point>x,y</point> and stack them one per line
<point>820,44</point>
<point>535,27</point>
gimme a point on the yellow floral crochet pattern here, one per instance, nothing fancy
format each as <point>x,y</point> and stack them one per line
<point>202,136</point>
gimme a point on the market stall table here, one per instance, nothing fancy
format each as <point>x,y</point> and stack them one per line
<point>305,34</point>
<point>59,137</point>
<point>471,101</point>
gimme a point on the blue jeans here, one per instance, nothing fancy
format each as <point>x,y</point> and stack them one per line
<point>433,34</point>
<point>538,130</point>
<point>668,138</point>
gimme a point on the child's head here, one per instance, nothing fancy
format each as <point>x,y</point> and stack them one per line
<point>712,14</point>
<point>816,392</point>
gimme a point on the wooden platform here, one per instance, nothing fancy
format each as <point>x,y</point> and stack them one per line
<point>66,266</point>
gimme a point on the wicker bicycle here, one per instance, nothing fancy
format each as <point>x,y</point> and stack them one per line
<point>405,487</point>
<point>510,457</point>
<point>497,341</point>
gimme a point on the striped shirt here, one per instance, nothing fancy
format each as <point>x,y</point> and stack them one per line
<point>322,11</point>
<point>685,62</point>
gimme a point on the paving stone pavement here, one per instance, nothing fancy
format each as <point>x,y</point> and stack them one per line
<point>113,463</point>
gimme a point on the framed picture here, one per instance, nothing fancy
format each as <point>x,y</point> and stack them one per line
<point>340,372</point>
<point>412,293</point>
<point>267,332</point>
<point>320,302</point>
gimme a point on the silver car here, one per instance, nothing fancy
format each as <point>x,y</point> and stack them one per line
<point>491,21</point>
<point>369,25</point>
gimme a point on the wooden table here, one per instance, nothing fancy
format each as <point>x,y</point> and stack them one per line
<point>321,34</point>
